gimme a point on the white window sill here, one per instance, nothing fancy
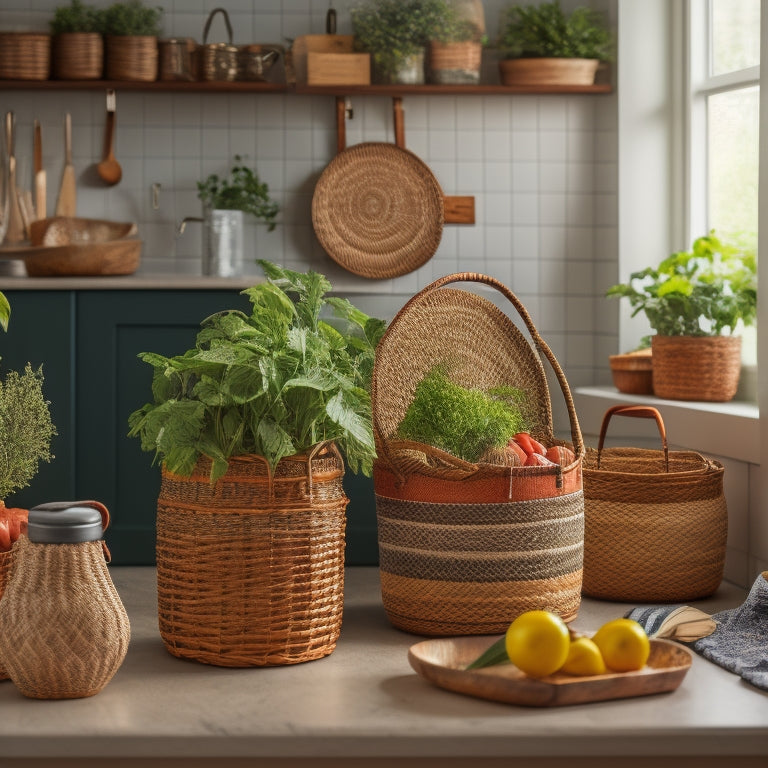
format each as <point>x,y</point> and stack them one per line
<point>728,430</point>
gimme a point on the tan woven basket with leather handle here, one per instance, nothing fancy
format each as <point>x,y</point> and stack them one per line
<point>250,571</point>
<point>656,521</point>
<point>464,548</point>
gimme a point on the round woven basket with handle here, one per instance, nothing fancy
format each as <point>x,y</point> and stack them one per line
<point>250,570</point>
<point>465,548</point>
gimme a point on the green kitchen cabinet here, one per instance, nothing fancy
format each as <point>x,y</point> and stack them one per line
<point>100,381</point>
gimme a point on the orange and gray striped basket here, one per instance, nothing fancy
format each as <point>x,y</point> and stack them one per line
<point>656,521</point>
<point>464,548</point>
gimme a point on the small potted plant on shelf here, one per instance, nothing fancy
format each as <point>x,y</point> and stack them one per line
<point>250,425</point>
<point>396,33</point>
<point>225,201</point>
<point>131,29</point>
<point>78,44</point>
<point>695,301</point>
<point>542,45</point>
<point>456,49</point>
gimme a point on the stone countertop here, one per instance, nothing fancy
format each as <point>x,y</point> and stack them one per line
<point>363,704</point>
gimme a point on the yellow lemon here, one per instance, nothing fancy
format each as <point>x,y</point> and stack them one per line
<point>537,643</point>
<point>584,658</point>
<point>623,645</point>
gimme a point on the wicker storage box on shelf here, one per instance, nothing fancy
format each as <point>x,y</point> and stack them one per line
<point>464,548</point>
<point>25,55</point>
<point>250,571</point>
<point>78,56</point>
<point>131,57</point>
<point>656,521</point>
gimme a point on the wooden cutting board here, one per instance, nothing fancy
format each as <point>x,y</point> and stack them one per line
<point>66,204</point>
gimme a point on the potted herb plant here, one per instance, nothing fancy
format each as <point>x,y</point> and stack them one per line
<point>225,201</point>
<point>249,426</point>
<point>456,48</point>
<point>694,301</point>
<point>544,45</point>
<point>396,33</point>
<point>131,30</point>
<point>78,44</point>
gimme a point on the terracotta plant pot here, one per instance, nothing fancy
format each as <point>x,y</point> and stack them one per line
<point>546,71</point>
<point>78,56</point>
<point>632,373</point>
<point>696,367</point>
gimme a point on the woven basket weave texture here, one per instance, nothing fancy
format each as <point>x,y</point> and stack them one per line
<point>78,56</point>
<point>5,569</point>
<point>250,570</point>
<point>61,638</point>
<point>651,534</point>
<point>464,548</point>
<point>131,57</point>
<point>25,55</point>
<point>377,210</point>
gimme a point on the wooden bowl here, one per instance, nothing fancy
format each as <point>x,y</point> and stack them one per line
<point>633,373</point>
<point>115,257</point>
<point>67,230</point>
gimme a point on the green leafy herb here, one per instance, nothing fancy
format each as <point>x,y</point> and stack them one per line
<point>25,429</point>
<point>496,653</point>
<point>132,18</point>
<point>76,17</point>
<point>702,292</point>
<point>242,190</point>
<point>546,30</point>
<point>464,422</point>
<point>5,311</point>
<point>293,373</point>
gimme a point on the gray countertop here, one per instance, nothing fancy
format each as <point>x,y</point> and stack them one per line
<point>365,701</point>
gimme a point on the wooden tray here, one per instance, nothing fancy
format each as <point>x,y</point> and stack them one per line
<point>443,661</point>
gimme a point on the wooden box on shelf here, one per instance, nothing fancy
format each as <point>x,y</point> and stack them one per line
<point>338,68</point>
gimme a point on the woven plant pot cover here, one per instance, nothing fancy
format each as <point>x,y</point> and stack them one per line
<point>464,548</point>
<point>696,367</point>
<point>131,57</point>
<point>78,56</point>
<point>377,210</point>
<point>250,571</point>
<point>47,591</point>
<point>653,532</point>
<point>25,55</point>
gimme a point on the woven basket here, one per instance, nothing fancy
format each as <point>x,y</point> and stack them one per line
<point>455,62</point>
<point>696,367</point>
<point>25,55</point>
<point>633,373</point>
<point>44,661</point>
<point>548,71</point>
<point>377,210</point>
<point>78,56</point>
<point>5,569</point>
<point>464,548</point>
<point>131,57</point>
<point>250,571</point>
<point>656,521</point>
<point>217,61</point>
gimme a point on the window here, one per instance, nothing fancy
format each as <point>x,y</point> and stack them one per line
<point>723,125</point>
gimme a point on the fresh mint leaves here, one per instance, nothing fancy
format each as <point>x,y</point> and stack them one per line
<point>293,373</point>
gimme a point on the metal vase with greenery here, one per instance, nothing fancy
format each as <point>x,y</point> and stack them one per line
<point>225,201</point>
<point>696,301</point>
<point>542,44</point>
<point>78,43</point>
<point>395,33</point>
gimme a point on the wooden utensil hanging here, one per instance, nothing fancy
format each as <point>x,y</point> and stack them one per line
<point>15,231</point>
<point>66,204</point>
<point>109,169</point>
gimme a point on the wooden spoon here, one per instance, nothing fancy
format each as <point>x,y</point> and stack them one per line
<point>109,169</point>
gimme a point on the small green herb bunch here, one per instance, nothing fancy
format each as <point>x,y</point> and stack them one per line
<point>702,292</point>
<point>463,421</point>
<point>242,190</point>
<point>132,18</point>
<point>546,30</point>
<point>5,311</point>
<point>272,383</point>
<point>393,30</point>
<point>26,429</point>
<point>76,17</point>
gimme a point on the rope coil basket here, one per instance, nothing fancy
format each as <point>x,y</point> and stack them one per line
<point>656,521</point>
<point>250,571</point>
<point>464,548</point>
<point>377,210</point>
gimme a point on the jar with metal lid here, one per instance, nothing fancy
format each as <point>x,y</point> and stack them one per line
<point>64,631</point>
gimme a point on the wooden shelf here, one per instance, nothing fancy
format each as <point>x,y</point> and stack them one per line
<point>178,86</point>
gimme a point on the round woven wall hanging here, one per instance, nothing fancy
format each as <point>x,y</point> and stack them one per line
<point>378,210</point>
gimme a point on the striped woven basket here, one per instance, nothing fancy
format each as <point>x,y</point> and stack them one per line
<point>25,55</point>
<point>656,521</point>
<point>250,571</point>
<point>5,569</point>
<point>131,57</point>
<point>464,548</point>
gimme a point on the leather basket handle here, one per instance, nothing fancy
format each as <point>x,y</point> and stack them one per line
<point>637,412</point>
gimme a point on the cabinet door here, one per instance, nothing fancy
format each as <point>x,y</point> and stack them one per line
<point>113,328</point>
<point>41,332</point>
